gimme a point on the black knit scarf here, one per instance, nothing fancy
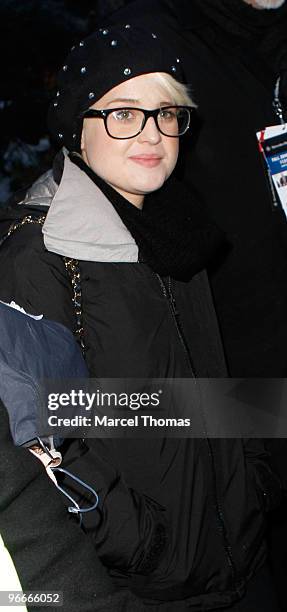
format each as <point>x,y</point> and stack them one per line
<point>174,236</point>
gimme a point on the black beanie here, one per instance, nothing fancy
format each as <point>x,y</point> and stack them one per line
<point>105,59</point>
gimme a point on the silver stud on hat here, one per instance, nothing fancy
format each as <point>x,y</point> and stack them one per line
<point>65,67</point>
<point>57,94</point>
<point>154,35</point>
<point>91,95</point>
<point>55,104</point>
<point>114,43</point>
<point>105,32</point>
<point>81,43</point>
<point>74,135</point>
<point>178,60</point>
<point>127,26</point>
<point>60,135</point>
<point>127,71</point>
<point>83,69</point>
<point>173,68</point>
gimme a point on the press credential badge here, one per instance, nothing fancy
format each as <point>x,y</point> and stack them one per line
<point>273,146</point>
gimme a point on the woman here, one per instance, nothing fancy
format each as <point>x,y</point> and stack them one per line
<point>135,246</point>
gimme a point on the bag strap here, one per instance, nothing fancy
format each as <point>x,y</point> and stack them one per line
<point>72,269</point>
<point>74,273</point>
<point>18,224</point>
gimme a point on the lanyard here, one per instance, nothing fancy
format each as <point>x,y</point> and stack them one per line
<point>277,102</point>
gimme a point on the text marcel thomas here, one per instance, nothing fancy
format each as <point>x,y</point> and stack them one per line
<point>145,420</point>
<point>80,399</point>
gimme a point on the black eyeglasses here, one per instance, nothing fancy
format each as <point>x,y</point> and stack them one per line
<point>128,122</point>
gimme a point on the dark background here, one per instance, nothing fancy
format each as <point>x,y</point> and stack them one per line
<point>35,37</point>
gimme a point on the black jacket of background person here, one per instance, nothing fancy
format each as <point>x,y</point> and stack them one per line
<point>232,56</point>
<point>212,490</point>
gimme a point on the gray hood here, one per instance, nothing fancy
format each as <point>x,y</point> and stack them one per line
<point>81,222</point>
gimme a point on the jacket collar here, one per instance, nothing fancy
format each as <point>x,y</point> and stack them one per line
<point>89,220</point>
<point>86,228</point>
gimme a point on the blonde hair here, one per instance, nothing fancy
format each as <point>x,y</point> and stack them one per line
<point>179,92</point>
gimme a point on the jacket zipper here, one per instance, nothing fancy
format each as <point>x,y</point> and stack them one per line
<point>175,315</point>
<point>222,527</point>
<point>167,292</point>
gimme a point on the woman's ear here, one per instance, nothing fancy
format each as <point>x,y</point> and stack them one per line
<point>83,139</point>
<point>83,146</point>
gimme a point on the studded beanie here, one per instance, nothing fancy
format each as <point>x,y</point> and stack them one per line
<point>97,64</point>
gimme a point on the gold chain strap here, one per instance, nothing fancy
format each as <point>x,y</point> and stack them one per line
<point>74,273</point>
<point>72,268</point>
<point>17,224</point>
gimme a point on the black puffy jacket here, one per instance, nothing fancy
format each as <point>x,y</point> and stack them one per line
<point>139,325</point>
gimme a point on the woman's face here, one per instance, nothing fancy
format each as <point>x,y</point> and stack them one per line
<point>139,165</point>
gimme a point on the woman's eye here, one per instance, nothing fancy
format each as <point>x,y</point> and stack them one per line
<point>167,115</point>
<point>123,115</point>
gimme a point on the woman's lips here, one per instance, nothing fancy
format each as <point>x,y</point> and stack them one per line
<point>149,161</point>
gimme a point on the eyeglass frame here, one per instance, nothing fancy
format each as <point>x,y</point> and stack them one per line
<point>104,113</point>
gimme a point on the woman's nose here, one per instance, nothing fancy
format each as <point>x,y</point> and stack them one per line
<point>150,133</point>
